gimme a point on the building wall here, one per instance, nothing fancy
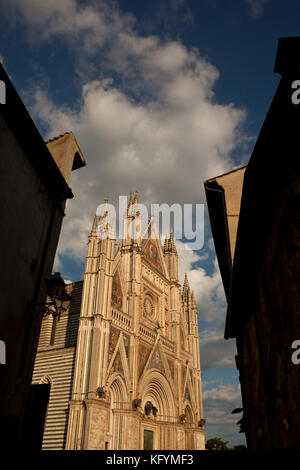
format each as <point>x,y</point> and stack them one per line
<point>132,350</point>
<point>32,202</point>
<point>54,364</point>
<point>137,342</point>
<point>232,184</point>
<point>56,368</point>
<point>223,194</point>
<point>32,219</point>
<point>270,381</point>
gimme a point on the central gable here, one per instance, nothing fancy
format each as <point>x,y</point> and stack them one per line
<point>152,254</point>
<point>117,294</point>
<point>152,249</point>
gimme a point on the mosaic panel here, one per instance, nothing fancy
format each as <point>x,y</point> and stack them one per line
<point>113,339</point>
<point>126,344</point>
<point>156,362</point>
<point>117,364</point>
<point>144,352</point>
<point>152,254</point>
<point>116,295</point>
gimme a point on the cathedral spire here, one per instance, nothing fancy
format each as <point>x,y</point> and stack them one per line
<point>193,301</point>
<point>132,208</point>
<point>105,227</point>
<point>172,246</point>
<point>132,222</point>
<point>94,227</point>
<point>130,201</point>
<point>105,210</point>
<point>166,243</point>
<point>186,286</point>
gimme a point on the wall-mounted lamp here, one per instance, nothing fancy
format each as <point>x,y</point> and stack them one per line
<point>57,297</point>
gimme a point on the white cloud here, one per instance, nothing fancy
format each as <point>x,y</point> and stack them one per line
<point>165,147</point>
<point>227,394</point>
<point>208,289</point>
<point>218,404</point>
<point>88,25</point>
<point>159,130</point>
<point>215,351</point>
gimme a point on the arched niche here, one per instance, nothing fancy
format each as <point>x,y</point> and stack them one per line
<point>117,391</point>
<point>189,415</point>
<point>118,397</point>
<point>156,388</point>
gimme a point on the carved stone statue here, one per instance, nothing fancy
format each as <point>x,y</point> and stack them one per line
<point>136,403</point>
<point>201,423</point>
<point>154,411</point>
<point>182,418</point>
<point>148,408</point>
<point>100,392</point>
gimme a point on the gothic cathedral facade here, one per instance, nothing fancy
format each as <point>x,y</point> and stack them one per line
<point>123,363</point>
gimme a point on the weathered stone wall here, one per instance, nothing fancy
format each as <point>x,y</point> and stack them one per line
<point>57,366</point>
<point>232,184</point>
<point>270,381</point>
<point>97,416</point>
<point>55,362</point>
<point>32,222</point>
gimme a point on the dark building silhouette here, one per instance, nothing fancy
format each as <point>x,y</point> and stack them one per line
<point>34,187</point>
<point>263,284</point>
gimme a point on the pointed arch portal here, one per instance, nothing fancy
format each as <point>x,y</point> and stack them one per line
<point>156,388</point>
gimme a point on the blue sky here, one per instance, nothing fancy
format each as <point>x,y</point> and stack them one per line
<point>161,96</point>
